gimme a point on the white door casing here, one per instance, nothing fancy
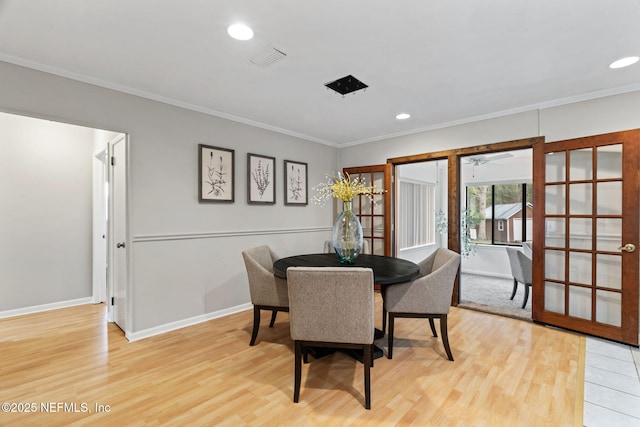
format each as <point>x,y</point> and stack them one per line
<point>100,203</point>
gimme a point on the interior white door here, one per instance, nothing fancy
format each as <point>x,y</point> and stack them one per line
<point>119,240</point>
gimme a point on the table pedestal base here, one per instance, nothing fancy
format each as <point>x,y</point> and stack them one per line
<point>318,352</point>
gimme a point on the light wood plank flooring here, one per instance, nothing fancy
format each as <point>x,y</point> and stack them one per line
<point>506,373</point>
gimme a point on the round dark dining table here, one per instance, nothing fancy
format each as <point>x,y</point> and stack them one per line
<point>386,270</point>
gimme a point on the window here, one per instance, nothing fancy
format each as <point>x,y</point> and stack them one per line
<point>416,222</point>
<point>500,214</point>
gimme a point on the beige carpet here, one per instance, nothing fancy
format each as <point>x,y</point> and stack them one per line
<point>491,295</point>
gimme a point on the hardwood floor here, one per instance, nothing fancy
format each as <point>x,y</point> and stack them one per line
<point>506,373</point>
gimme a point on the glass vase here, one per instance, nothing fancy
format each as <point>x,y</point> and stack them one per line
<point>347,235</point>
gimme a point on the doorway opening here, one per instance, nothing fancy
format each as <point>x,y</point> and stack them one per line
<point>496,216</point>
<point>65,226</point>
<point>451,219</point>
<point>420,206</point>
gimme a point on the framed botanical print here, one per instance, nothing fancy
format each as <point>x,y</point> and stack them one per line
<point>215,174</point>
<point>261,179</point>
<point>295,183</point>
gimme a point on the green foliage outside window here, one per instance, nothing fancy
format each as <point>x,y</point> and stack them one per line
<point>467,221</point>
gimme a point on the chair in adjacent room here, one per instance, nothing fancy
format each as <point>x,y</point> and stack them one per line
<point>331,307</point>
<point>428,296</point>
<point>521,270</point>
<point>267,291</point>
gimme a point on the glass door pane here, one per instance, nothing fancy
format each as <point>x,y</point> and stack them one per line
<point>609,161</point>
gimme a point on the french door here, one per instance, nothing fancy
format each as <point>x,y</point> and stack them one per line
<point>374,217</point>
<point>585,266</point>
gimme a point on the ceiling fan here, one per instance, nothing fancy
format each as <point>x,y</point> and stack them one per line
<point>481,159</point>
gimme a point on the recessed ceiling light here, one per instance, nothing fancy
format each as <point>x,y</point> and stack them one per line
<point>624,62</point>
<point>240,32</point>
<point>403,116</point>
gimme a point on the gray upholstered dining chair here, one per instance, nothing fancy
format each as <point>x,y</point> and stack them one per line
<point>267,291</point>
<point>331,307</point>
<point>521,270</point>
<point>428,296</point>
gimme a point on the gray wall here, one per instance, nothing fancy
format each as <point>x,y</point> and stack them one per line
<point>185,256</point>
<point>578,119</point>
<point>46,215</point>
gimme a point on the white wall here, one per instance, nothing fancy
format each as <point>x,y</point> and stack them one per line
<point>46,214</point>
<point>174,276</point>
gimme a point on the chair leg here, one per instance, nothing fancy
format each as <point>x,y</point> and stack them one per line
<point>445,335</point>
<point>384,320</point>
<point>368,362</point>
<point>526,294</point>
<point>433,327</point>
<point>297,375</point>
<point>390,337</point>
<point>273,318</point>
<point>515,288</point>
<point>256,324</point>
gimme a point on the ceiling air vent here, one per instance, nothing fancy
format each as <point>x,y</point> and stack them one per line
<point>268,56</point>
<point>345,85</point>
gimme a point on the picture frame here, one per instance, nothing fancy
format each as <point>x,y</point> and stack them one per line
<point>295,183</point>
<point>261,179</point>
<point>216,174</point>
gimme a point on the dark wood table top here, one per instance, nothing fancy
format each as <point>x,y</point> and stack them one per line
<point>386,270</point>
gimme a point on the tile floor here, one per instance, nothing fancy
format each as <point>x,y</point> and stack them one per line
<point>611,385</point>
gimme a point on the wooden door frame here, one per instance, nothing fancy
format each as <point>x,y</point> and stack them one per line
<point>453,158</point>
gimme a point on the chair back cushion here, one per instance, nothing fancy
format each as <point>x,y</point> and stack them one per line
<point>331,304</point>
<point>521,265</point>
<point>442,257</point>
<point>431,292</point>
<point>527,266</point>
<point>263,256</point>
<point>264,287</point>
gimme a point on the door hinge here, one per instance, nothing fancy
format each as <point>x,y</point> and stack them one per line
<point>113,300</point>
<point>113,161</point>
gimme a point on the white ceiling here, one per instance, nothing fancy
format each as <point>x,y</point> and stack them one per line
<point>444,62</point>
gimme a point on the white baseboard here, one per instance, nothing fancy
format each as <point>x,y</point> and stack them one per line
<point>45,307</point>
<point>168,327</point>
